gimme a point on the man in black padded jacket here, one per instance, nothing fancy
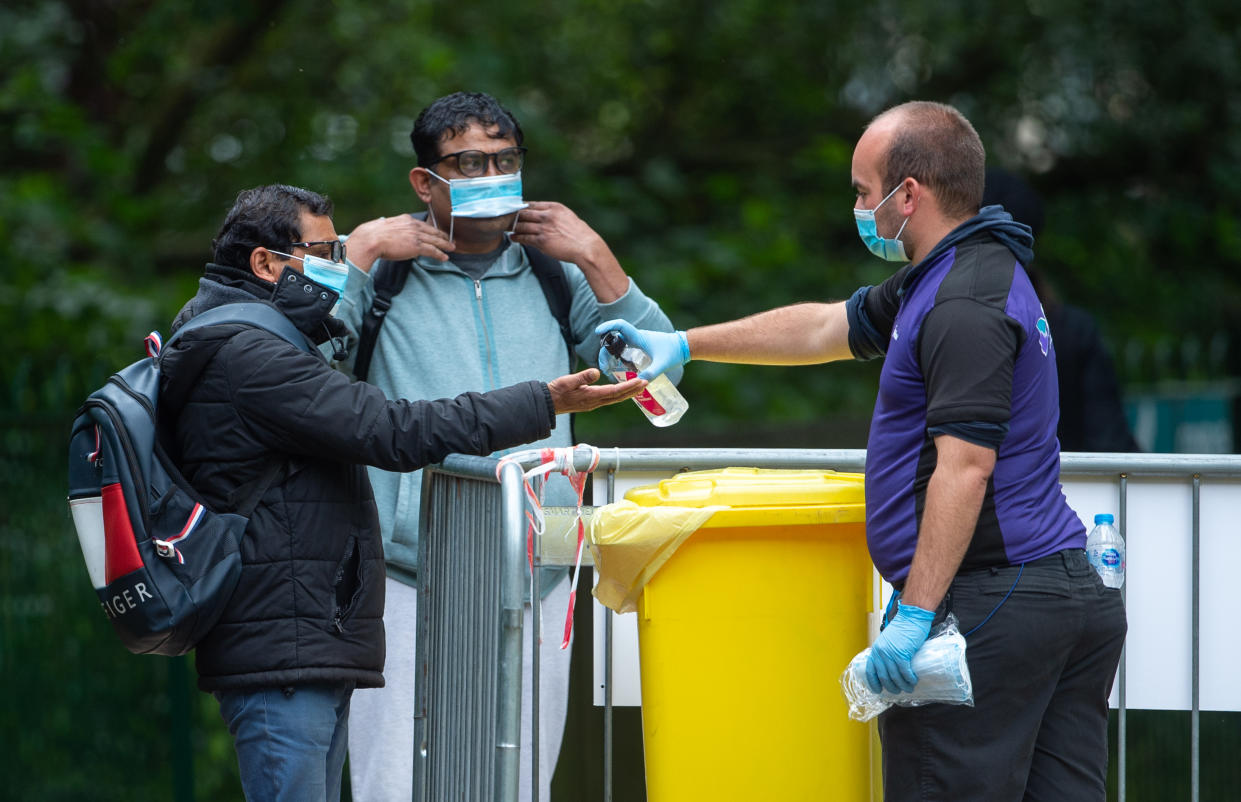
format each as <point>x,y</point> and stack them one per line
<point>305,625</point>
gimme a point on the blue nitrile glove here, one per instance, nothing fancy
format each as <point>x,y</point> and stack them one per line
<point>890,666</point>
<point>667,349</point>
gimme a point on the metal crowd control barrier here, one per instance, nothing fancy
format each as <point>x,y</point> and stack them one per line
<point>472,585</point>
<point>470,594</point>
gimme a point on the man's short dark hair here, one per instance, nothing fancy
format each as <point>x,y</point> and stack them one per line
<point>452,115</point>
<point>934,144</point>
<point>267,217</point>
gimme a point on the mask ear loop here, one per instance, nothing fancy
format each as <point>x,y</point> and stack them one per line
<point>897,238</point>
<point>901,229</point>
<point>451,221</point>
<point>517,214</point>
<point>431,211</point>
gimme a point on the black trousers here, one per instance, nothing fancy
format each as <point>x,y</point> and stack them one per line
<point>1042,669</point>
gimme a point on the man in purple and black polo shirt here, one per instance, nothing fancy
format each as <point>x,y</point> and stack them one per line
<point>964,510</point>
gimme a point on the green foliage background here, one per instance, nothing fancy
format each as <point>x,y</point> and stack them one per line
<point>709,142</point>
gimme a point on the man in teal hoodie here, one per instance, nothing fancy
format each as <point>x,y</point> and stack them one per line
<point>471,316</point>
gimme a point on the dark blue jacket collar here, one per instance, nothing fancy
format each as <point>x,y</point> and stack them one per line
<point>992,220</point>
<point>301,300</point>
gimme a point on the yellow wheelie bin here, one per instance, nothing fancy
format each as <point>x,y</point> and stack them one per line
<point>744,630</point>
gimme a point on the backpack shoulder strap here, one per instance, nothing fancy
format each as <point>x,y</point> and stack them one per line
<point>257,315</point>
<point>245,508</point>
<point>555,287</point>
<point>388,279</point>
<point>249,313</point>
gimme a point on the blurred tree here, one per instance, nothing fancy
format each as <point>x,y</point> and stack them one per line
<point>709,141</point>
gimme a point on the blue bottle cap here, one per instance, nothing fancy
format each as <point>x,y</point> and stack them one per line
<point>1104,518</point>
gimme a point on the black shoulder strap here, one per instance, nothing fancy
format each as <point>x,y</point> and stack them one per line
<point>259,315</point>
<point>246,508</point>
<point>249,313</point>
<point>388,279</point>
<point>550,274</point>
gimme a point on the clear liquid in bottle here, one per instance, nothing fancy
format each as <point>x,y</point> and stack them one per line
<point>660,401</point>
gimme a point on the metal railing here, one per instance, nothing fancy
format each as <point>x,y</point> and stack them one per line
<point>472,582</point>
<point>1191,468</point>
<point>470,594</point>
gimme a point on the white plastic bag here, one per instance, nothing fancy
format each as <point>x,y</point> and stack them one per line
<point>940,665</point>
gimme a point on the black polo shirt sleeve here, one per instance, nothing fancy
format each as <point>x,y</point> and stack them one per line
<point>871,312</point>
<point>967,350</point>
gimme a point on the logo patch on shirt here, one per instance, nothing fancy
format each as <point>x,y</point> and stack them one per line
<point>1044,335</point>
<point>896,335</point>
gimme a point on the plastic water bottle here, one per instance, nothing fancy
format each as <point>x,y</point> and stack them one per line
<point>660,402</point>
<point>1105,549</point>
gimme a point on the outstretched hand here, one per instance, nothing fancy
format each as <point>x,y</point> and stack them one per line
<point>578,392</point>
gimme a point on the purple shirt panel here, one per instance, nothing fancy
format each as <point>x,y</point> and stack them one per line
<point>1031,517</point>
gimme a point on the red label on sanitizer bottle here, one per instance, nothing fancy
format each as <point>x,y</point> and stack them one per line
<point>644,399</point>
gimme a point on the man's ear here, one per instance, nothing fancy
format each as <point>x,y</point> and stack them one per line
<point>265,264</point>
<point>421,180</point>
<point>912,195</point>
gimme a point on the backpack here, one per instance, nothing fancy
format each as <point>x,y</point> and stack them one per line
<point>164,564</point>
<point>389,277</point>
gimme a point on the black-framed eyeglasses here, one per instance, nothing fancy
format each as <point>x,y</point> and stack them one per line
<point>473,163</point>
<point>337,253</point>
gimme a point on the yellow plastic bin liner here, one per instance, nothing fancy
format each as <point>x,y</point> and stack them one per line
<point>630,543</point>
<point>743,631</point>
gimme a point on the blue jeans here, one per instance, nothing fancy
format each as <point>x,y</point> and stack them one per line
<point>290,741</point>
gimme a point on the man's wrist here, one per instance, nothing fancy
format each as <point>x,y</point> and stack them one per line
<point>607,279</point>
<point>915,612</point>
<point>551,404</point>
<point>917,600</point>
<point>595,256</point>
<point>361,252</point>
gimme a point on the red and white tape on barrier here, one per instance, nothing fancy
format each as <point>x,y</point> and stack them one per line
<point>554,460</point>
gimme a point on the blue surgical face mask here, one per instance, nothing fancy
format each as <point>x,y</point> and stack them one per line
<point>322,271</point>
<point>893,250</point>
<point>485,196</point>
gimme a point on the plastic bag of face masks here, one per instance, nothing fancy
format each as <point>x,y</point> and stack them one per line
<point>943,676</point>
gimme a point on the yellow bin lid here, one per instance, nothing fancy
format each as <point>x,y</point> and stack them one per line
<point>762,496</point>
